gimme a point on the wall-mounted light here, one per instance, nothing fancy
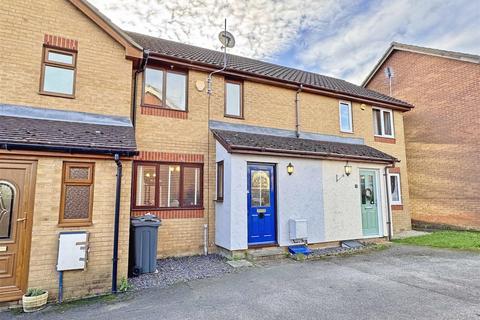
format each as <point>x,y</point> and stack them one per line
<point>290,169</point>
<point>347,171</point>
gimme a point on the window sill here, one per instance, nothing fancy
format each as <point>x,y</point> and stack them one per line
<point>74,224</point>
<point>385,139</point>
<point>58,95</point>
<point>345,131</point>
<point>161,107</point>
<point>186,213</point>
<point>234,117</point>
<point>163,112</point>
<point>168,209</point>
<point>397,206</point>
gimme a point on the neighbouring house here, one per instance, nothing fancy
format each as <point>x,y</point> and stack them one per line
<point>441,133</point>
<point>65,104</point>
<point>263,156</point>
<point>273,156</point>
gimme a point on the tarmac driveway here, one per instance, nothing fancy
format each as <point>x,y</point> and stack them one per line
<point>402,282</point>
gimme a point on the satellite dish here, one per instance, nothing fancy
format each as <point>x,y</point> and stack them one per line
<point>227,39</point>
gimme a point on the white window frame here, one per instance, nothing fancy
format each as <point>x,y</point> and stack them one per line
<point>349,104</point>
<point>399,186</point>
<point>382,123</point>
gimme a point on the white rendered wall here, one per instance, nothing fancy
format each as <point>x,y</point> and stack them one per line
<point>222,209</point>
<point>332,208</point>
<point>343,217</point>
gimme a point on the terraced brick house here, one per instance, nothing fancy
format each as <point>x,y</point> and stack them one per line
<point>65,105</point>
<point>271,151</point>
<point>273,156</point>
<point>441,134</point>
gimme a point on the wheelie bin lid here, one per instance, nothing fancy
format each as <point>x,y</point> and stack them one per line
<point>149,220</point>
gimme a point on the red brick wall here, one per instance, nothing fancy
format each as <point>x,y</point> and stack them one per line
<point>442,135</point>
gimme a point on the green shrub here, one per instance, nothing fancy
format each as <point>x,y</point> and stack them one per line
<point>33,292</point>
<point>125,285</point>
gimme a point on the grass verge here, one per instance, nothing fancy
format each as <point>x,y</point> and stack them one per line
<point>464,240</point>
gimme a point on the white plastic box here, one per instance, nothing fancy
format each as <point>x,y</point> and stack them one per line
<point>298,229</point>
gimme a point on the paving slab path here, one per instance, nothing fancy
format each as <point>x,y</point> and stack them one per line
<point>402,282</point>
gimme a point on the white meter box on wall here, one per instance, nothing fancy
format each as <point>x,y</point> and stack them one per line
<point>298,229</point>
<point>72,250</point>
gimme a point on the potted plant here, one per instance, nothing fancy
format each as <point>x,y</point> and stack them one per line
<point>35,299</point>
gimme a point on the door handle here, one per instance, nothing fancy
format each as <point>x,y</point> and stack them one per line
<point>21,219</point>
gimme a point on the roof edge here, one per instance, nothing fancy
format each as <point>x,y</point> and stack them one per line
<point>132,49</point>
<point>338,94</point>
<point>39,113</point>
<point>454,55</point>
<point>67,149</point>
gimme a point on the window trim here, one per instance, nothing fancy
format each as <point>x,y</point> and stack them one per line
<point>350,113</point>
<point>382,123</point>
<point>157,164</point>
<point>164,88</point>
<point>225,114</point>
<point>62,222</point>
<point>399,185</point>
<point>220,196</point>
<point>134,184</point>
<point>45,62</point>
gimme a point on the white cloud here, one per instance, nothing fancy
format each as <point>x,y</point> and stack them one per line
<point>357,45</point>
<point>261,27</point>
<point>338,38</point>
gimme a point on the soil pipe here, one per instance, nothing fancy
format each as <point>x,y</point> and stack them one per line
<point>297,111</point>
<point>143,65</point>
<point>116,223</point>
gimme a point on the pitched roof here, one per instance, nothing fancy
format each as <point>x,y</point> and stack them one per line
<point>29,133</point>
<point>198,55</point>
<point>242,142</point>
<point>131,47</point>
<point>467,57</point>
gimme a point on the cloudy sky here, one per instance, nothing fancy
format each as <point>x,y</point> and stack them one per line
<point>340,38</point>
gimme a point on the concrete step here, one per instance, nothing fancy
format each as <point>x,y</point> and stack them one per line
<point>262,254</point>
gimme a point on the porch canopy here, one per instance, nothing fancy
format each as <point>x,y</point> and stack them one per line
<point>40,129</point>
<point>255,143</point>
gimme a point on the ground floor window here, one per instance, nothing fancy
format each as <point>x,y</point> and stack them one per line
<point>220,182</point>
<point>168,185</point>
<point>395,190</point>
<point>77,194</point>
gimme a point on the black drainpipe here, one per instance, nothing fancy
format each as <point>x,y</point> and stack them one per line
<point>116,223</point>
<point>389,210</point>
<point>143,65</point>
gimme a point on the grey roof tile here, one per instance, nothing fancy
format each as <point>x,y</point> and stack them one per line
<point>259,68</point>
<point>239,141</point>
<point>41,134</point>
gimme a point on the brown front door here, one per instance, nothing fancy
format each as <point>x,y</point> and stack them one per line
<point>16,204</point>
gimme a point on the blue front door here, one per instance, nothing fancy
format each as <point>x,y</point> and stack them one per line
<point>261,204</point>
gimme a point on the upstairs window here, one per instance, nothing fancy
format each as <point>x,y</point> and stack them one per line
<point>168,185</point>
<point>383,122</point>
<point>165,89</point>
<point>345,116</point>
<point>58,72</point>
<point>233,99</point>
<point>395,190</point>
